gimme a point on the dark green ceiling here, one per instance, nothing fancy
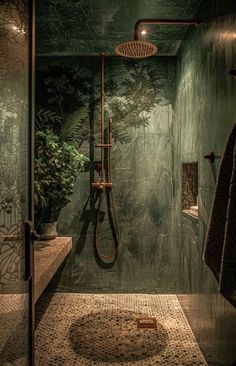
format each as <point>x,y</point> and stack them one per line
<point>87,27</point>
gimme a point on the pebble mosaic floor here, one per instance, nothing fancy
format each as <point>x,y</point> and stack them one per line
<point>101,330</point>
<point>13,330</point>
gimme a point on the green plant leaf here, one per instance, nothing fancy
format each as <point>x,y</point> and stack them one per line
<point>45,118</point>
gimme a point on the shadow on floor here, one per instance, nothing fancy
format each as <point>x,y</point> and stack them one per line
<point>112,336</point>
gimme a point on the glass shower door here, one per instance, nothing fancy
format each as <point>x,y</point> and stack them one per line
<point>15,183</point>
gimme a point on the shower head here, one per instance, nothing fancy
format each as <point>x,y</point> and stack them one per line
<point>139,48</point>
<point>136,49</point>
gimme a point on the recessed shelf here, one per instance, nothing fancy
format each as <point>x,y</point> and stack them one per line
<point>190,189</point>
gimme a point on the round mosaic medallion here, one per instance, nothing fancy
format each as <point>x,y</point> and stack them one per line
<point>113,336</point>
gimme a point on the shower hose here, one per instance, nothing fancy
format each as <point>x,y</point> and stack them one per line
<point>104,187</point>
<point>112,217</point>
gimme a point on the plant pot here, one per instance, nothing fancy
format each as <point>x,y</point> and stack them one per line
<point>48,230</point>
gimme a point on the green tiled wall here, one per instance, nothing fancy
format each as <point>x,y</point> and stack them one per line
<point>205,113</point>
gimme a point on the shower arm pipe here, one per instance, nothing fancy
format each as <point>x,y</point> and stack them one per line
<point>162,21</point>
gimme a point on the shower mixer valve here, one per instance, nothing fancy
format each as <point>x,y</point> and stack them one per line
<point>101,185</point>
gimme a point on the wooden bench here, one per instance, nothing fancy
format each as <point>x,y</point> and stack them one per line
<point>48,256</point>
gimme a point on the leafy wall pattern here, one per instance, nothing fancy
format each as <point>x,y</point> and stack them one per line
<point>13,141</point>
<point>138,97</point>
<point>87,27</point>
<point>67,95</point>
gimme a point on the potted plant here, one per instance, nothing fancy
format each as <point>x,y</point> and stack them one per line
<point>57,165</point>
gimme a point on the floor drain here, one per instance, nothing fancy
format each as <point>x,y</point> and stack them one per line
<point>147,323</point>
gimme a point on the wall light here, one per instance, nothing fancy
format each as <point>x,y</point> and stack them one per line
<point>19,30</point>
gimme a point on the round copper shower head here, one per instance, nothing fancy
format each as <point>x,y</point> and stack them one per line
<point>141,49</point>
<point>136,49</point>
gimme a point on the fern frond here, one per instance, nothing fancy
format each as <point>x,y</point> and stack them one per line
<point>76,126</point>
<point>45,117</point>
<point>123,137</point>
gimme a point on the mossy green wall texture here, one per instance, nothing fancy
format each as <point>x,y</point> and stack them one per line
<point>139,96</point>
<point>205,113</point>
<point>161,248</point>
<point>82,27</point>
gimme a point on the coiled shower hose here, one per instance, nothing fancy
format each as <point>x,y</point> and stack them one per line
<point>104,187</point>
<point>112,215</point>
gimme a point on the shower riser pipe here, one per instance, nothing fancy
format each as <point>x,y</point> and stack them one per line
<point>102,115</point>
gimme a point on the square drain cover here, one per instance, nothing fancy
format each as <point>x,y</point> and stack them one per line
<point>147,323</point>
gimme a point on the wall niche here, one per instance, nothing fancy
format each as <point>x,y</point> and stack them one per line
<point>190,189</point>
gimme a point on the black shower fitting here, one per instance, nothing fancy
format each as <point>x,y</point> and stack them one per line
<point>210,156</point>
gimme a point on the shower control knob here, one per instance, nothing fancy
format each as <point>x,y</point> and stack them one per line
<point>101,185</point>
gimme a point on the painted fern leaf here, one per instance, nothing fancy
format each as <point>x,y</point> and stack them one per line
<point>45,118</point>
<point>76,127</point>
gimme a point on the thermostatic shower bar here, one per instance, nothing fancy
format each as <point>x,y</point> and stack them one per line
<point>104,187</point>
<point>162,21</point>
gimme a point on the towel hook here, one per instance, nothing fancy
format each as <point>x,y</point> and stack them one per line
<point>210,156</point>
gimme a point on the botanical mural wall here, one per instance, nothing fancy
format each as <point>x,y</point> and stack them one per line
<point>139,98</point>
<point>14,180</point>
<point>13,143</point>
<point>155,132</point>
<point>87,27</point>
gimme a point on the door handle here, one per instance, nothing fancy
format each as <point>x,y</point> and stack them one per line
<point>29,237</point>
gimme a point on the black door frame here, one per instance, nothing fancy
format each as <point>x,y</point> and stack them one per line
<point>31,113</point>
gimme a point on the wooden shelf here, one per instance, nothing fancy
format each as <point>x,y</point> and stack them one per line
<point>48,256</point>
<point>191,213</point>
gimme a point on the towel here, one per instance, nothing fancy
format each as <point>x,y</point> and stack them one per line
<point>220,245</point>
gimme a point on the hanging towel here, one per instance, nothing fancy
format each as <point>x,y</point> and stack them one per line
<point>220,246</point>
